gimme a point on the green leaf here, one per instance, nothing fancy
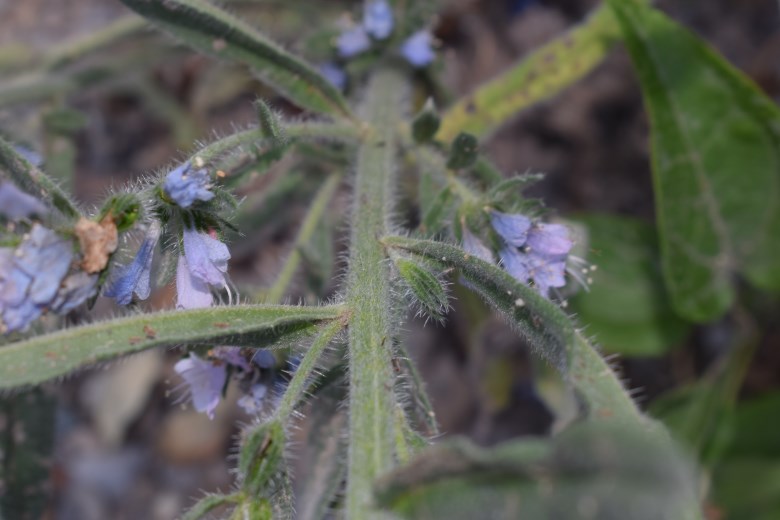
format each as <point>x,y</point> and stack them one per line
<point>542,323</point>
<point>590,471</point>
<point>748,488</point>
<point>427,289</point>
<point>716,156</point>
<point>542,74</point>
<point>48,356</point>
<point>212,30</point>
<point>627,309</point>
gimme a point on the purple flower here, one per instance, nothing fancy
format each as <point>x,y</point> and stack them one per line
<point>16,204</point>
<point>31,275</point>
<point>232,356</point>
<point>334,74</point>
<point>417,49</point>
<point>184,185</point>
<point>252,402</point>
<point>135,277</point>
<point>352,42</point>
<point>76,288</point>
<point>378,19</point>
<point>473,246</point>
<point>206,257</point>
<point>191,292</point>
<point>205,380</point>
<point>537,252</point>
<point>512,227</point>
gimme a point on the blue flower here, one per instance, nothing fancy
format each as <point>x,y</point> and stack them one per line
<point>512,227</point>
<point>334,74</point>
<point>533,252</point>
<point>191,292</point>
<point>184,185</point>
<point>16,204</point>
<point>232,356</point>
<point>378,19</point>
<point>352,42</point>
<point>252,403</point>
<point>31,276</point>
<point>135,277</point>
<point>207,257</point>
<point>473,246</point>
<point>205,380</point>
<point>417,49</point>
<point>76,288</point>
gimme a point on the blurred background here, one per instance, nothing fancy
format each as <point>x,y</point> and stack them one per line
<point>119,442</point>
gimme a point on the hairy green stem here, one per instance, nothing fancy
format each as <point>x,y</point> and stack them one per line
<point>303,130</point>
<point>309,226</point>
<point>371,399</point>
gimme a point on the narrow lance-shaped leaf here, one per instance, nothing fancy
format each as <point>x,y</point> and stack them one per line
<point>716,157</point>
<point>51,355</point>
<point>210,29</point>
<point>542,323</point>
<point>542,74</point>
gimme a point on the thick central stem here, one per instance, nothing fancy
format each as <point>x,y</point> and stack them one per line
<point>371,397</point>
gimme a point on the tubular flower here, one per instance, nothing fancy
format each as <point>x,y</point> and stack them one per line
<point>184,185</point>
<point>353,42</point>
<point>30,277</point>
<point>533,251</point>
<point>135,277</point>
<point>205,380</point>
<point>378,19</point>
<point>16,204</point>
<point>417,49</point>
<point>204,263</point>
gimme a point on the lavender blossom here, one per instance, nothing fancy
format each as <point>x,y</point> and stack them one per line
<point>205,380</point>
<point>417,49</point>
<point>378,19</point>
<point>16,204</point>
<point>184,185</point>
<point>191,292</point>
<point>252,403</point>
<point>512,227</point>
<point>353,42</point>
<point>473,246</point>
<point>232,356</point>
<point>533,252</point>
<point>76,288</point>
<point>334,74</point>
<point>207,257</point>
<point>30,277</point>
<point>135,277</point>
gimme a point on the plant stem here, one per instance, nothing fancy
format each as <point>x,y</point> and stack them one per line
<point>309,226</point>
<point>305,130</point>
<point>371,399</point>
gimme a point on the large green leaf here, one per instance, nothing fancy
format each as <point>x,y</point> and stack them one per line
<point>626,309</point>
<point>51,355</point>
<point>538,76</point>
<point>591,471</point>
<point>716,158</point>
<point>210,29</point>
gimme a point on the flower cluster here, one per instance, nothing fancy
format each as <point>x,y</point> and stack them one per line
<point>34,278</point>
<point>377,25</point>
<point>533,251</point>
<point>206,378</point>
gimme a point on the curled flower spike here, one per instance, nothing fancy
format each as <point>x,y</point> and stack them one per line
<point>378,19</point>
<point>205,380</point>
<point>16,204</point>
<point>184,185</point>
<point>353,42</point>
<point>135,277</point>
<point>418,50</point>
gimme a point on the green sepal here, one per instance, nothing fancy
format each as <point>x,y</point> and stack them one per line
<point>428,290</point>
<point>261,457</point>
<point>426,123</point>
<point>463,152</point>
